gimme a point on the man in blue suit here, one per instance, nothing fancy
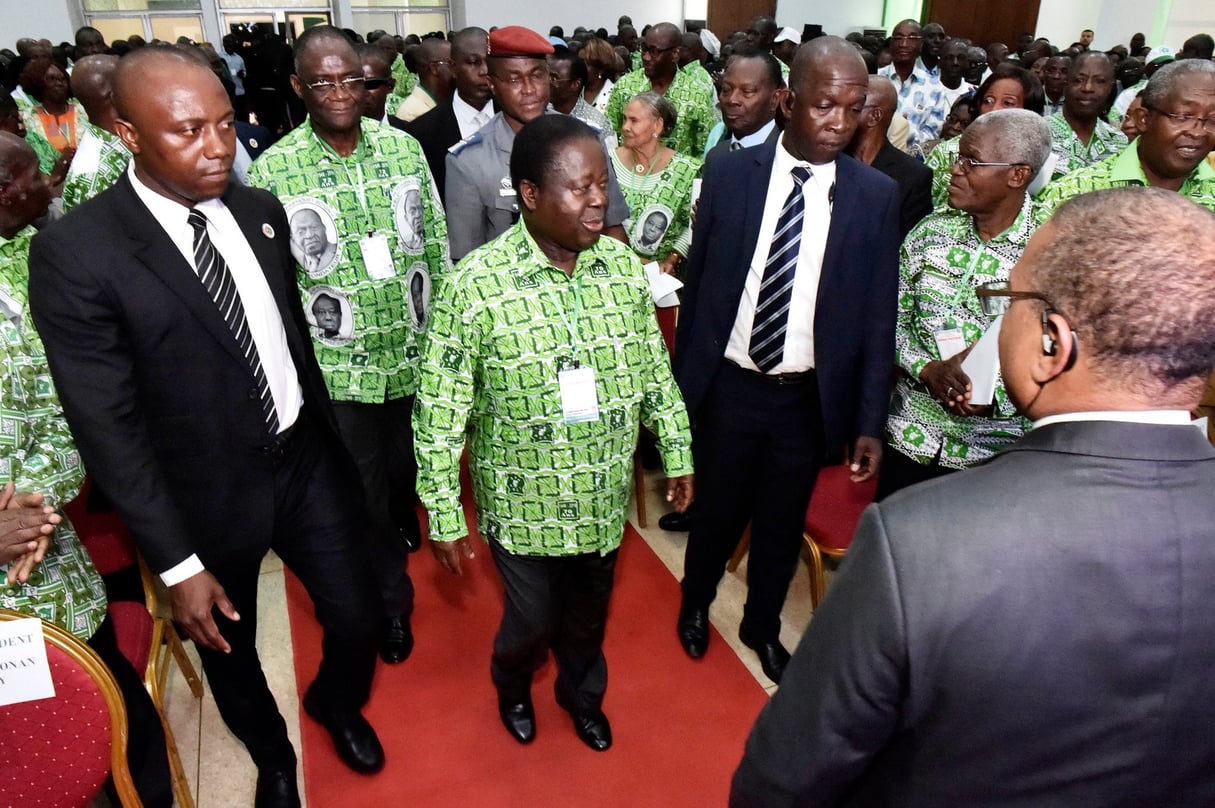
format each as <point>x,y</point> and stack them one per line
<point>786,339</point>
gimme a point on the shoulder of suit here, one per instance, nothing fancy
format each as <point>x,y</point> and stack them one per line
<point>471,140</point>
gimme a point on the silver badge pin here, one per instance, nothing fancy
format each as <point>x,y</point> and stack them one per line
<point>267,230</point>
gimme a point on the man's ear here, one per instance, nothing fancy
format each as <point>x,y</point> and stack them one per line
<point>128,134</point>
<point>786,103</point>
<point>1020,177</point>
<point>296,86</point>
<point>1060,349</point>
<point>527,191</point>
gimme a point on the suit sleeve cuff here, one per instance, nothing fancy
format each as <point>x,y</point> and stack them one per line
<point>180,572</point>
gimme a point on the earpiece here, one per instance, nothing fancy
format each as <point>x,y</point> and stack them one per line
<point>1050,346</point>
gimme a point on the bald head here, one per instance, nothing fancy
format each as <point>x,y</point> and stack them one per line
<point>93,85</point>
<point>142,67</point>
<point>825,54</point>
<point>323,39</point>
<point>882,97</point>
<point>15,154</point>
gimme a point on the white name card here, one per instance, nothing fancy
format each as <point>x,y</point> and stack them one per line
<point>25,675</point>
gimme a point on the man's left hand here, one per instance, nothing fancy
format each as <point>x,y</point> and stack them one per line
<point>866,458</point>
<point>679,492</point>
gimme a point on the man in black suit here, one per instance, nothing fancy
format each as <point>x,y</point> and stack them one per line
<point>786,339</point>
<point>750,95</point>
<point>378,83</point>
<point>208,423</point>
<point>468,110</point>
<point>870,145</point>
<point>1039,630</point>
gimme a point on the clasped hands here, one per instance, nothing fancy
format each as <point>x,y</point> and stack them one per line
<point>950,385</point>
<point>26,525</point>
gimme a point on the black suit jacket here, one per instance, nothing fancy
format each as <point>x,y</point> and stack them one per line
<point>915,184</point>
<point>162,404</point>
<point>855,311</point>
<point>437,131</point>
<point>1038,631</point>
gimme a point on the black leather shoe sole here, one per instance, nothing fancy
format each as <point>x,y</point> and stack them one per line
<point>772,655</point>
<point>519,719</point>
<point>693,630</point>
<point>675,522</point>
<point>276,788</point>
<point>353,738</point>
<point>594,730</point>
<point>397,644</point>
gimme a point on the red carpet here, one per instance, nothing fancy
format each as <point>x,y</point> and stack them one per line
<point>678,725</point>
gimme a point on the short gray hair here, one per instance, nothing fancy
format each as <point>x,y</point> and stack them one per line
<point>662,108</point>
<point>1018,135</point>
<point>1162,83</point>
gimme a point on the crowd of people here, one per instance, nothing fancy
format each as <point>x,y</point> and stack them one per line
<point>270,295</point>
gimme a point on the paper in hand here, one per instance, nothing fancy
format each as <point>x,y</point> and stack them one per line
<point>982,365</point>
<point>662,286</point>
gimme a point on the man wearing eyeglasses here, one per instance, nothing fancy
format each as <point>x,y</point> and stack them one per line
<point>922,99</point>
<point>361,175</point>
<point>1177,120</point>
<point>660,73</point>
<point>435,82</point>
<point>1040,629</point>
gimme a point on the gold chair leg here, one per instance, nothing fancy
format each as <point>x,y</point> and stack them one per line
<point>744,544</point>
<point>639,490</point>
<point>817,585</point>
<point>183,661</point>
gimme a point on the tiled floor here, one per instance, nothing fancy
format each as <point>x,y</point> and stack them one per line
<point>219,769</point>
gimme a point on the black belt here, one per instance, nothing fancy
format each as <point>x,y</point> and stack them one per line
<point>778,379</point>
<point>281,442</point>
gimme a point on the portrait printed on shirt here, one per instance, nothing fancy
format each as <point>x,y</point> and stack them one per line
<point>314,240</point>
<point>418,282</point>
<point>328,312</point>
<point>407,211</point>
<point>650,227</point>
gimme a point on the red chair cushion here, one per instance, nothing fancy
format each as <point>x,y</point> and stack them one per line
<point>56,751</point>
<point>666,324</point>
<point>102,533</point>
<point>133,627</point>
<point>836,506</point>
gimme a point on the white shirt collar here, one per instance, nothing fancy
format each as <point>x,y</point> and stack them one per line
<point>756,138</point>
<point>1162,417</point>
<point>784,163</point>
<point>466,113</point>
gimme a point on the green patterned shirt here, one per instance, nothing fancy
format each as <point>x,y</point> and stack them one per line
<point>1070,152</point>
<point>1120,170</point>
<point>660,204</point>
<point>501,332</point>
<point>38,455</point>
<point>407,80</point>
<point>47,156</point>
<point>367,322</point>
<point>99,162</point>
<point>693,102</point>
<point>941,160</point>
<point>941,263</point>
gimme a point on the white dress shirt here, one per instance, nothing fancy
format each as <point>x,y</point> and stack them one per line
<point>265,323</point>
<point>1160,417</point>
<point>469,118</point>
<point>756,138</point>
<point>799,336</point>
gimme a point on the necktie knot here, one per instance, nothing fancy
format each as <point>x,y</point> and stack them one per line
<point>197,221</point>
<point>735,146</point>
<point>800,175</point>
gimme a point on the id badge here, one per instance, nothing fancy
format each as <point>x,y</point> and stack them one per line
<point>950,342</point>
<point>377,257</point>
<point>579,401</point>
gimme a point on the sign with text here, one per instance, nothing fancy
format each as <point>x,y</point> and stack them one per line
<point>25,674</point>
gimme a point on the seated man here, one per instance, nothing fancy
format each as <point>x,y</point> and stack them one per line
<point>1040,629</point>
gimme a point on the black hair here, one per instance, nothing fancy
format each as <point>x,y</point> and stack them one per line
<point>537,146</point>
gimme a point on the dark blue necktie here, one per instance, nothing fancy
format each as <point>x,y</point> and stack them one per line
<point>776,291</point>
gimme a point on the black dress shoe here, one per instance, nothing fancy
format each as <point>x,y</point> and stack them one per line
<point>276,788</point>
<point>693,630</point>
<point>772,655</point>
<point>676,522</point>
<point>519,719</point>
<point>354,739</point>
<point>594,730</point>
<point>398,640</point>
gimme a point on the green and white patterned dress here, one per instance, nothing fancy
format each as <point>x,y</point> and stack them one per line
<point>38,455</point>
<point>662,198</point>
<point>505,325</point>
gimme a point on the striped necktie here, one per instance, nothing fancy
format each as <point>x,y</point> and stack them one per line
<point>735,145</point>
<point>776,291</point>
<point>217,280</point>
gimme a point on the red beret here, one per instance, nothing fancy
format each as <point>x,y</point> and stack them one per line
<point>515,41</point>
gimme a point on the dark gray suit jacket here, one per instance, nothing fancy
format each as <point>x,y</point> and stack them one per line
<point>1036,631</point>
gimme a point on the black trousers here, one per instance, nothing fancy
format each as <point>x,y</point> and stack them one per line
<point>900,471</point>
<point>757,447</point>
<point>147,756</point>
<point>380,439</point>
<point>558,602</point>
<point>318,536</point>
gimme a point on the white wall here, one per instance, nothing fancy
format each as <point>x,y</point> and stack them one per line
<point>56,20</point>
<point>838,18</point>
<point>1165,22</point>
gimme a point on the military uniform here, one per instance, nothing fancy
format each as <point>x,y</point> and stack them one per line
<point>481,201</point>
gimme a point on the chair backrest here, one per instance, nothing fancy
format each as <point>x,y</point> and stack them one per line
<point>101,532</point>
<point>835,507</point>
<point>58,751</point>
